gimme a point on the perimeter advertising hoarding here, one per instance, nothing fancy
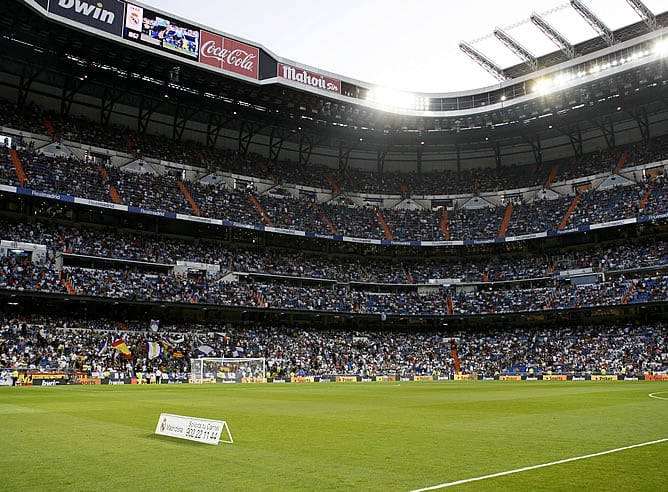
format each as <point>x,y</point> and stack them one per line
<point>106,16</point>
<point>160,32</point>
<point>229,55</point>
<point>310,79</point>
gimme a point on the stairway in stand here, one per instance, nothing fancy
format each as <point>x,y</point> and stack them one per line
<point>259,208</point>
<point>16,160</point>
<point>189,197</point>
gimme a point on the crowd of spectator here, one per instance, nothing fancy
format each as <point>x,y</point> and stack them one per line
<point>622,272</point>
<point>40,343</point>
<point>155,249</point>
<point>56,175</point>
<point>443,182</point>
<point>19,272</point>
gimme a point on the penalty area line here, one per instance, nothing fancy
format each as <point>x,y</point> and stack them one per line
<point>542,465</point>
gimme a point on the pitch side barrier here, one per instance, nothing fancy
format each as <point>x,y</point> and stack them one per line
<point>39,378</point>
<point>36,378</point>
<point>469,377</point>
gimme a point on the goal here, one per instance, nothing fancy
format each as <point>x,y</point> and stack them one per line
<point>227,370</point>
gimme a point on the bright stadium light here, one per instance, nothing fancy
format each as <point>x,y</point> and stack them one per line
<point>562,79</point>
<point>393,99</point>
<point>661,47</point>
<point>543,86</point>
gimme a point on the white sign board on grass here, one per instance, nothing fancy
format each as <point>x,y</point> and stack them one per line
<point>193,428</point>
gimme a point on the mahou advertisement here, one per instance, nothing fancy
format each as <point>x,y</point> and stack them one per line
<point>309,78</point>
<point>229,55</point>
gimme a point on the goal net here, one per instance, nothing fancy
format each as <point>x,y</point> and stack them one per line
<point>227,370</point>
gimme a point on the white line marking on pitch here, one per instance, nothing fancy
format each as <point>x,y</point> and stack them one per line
<point>653,395</point>
<point>543,465</point>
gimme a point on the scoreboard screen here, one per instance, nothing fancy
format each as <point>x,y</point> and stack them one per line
<point>158,31</point>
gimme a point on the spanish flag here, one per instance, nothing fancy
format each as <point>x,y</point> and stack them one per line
<point>122,348</point>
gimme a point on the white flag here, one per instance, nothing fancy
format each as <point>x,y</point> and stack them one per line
<point>205,349</point>
<point>154,349</point>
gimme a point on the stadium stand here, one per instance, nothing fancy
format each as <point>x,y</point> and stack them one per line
<point>329,266</point>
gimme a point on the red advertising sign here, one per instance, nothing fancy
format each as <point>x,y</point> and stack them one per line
<point>309,78</point>
<point>229,55</point>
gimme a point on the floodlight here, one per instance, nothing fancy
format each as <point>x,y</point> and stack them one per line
<point>661,47</point>
<point>563,79</point>
<point>543,85</point>
<point>393,99</point>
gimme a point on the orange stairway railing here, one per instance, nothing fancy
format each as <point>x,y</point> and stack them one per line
<point>506,221</point>
<point>259,208</point>
<point>116,198</point>
<point>383,224</point>
<point>570,210</point>
<point>325,219</point>
<point>643,201</point>
<point>629,293</point>
<point>49,128</point>
<point>445,228</point>
<point>189,197</point>
<point>114,195</point>
<point>18,166</point>
<point>68,286</point>
<point>550,178</point>
<point>455,357</point>
<point>409,277</point>
<point>621,162</point>
<point>550,302</point>
<point>335,186</point>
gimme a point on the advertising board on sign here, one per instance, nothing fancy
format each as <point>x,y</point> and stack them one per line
<point>229,55</point>
<point>308,78</point>
<point>106,16</point>
<point>206,431</point>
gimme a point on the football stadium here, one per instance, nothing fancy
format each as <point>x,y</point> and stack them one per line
<point>222,269</point>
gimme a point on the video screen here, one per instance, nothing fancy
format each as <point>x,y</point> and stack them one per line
<point>149,28</point>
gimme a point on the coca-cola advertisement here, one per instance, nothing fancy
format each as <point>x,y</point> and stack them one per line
<point>308,78</point>
<point>229,55</point>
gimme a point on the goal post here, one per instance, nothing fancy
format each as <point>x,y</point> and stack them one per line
<point>227,370</point>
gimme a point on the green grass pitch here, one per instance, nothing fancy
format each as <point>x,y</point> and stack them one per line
<point>338,436</point>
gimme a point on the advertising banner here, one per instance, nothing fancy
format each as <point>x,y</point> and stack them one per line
<point>229,55</point>
<point>302,379</point>
<point>106,16</point>
<point>555,377</point>
<point>45,378</point>
<point>206,431</point>
<point>165,34</point>
<point>599,377</point>
<point>346,379</point>
<point>257,380</point>
<point>310,79</point>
